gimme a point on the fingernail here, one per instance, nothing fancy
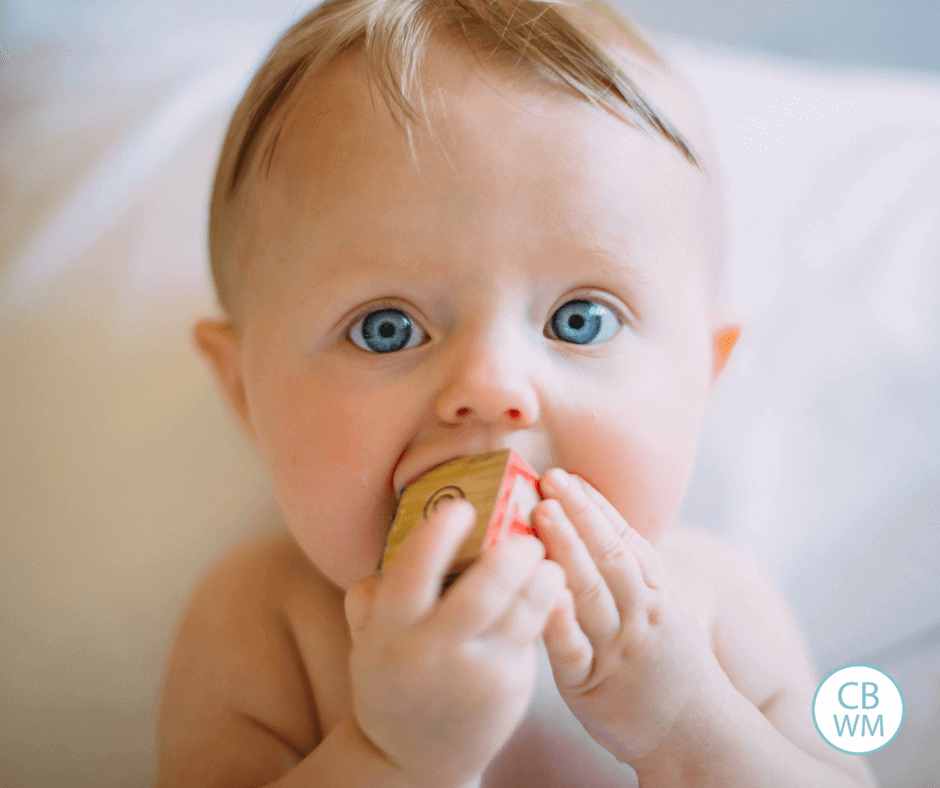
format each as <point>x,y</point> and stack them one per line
<point>559,479</point>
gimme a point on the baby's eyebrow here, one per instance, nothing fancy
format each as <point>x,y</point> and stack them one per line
<point>608,265</point>
<point>591,263</point>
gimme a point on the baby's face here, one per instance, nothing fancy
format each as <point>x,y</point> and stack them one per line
<point>544,289</point>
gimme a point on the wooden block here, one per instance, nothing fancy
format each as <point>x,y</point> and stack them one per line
<point>500,484</point>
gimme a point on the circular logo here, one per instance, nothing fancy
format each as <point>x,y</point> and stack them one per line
<point>858,709</point>
<point>444,494</point>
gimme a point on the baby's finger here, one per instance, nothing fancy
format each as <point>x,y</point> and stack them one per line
<point>568,648</point>
<point>610,553</point>
<point>647,558</point>
<point>528,611</point>
<point>411,582</point>
<point>596,609</point>
<point>487,587</point>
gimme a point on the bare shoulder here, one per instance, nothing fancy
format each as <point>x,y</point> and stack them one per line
<point>237,704</point>
<point>693,551</point>
<point>751,627</point>
<point>755,638</point>
<point>698,561</point>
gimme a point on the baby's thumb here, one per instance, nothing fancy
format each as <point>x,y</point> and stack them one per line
<point>358,602</point>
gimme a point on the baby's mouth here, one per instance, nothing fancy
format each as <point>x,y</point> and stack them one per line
<point>420,456</point>
<point>413,477</point>
<point>433,461</point>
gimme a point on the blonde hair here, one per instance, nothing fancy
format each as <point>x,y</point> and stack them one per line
<point>555,39</point>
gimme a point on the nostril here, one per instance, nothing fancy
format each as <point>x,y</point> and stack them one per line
<point>463,411</point>
<point>514,414</point>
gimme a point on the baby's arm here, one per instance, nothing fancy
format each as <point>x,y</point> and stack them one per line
<point>438,685</point>
<point>642,677</point>
<point>757,729</point>
<point>230,715</point>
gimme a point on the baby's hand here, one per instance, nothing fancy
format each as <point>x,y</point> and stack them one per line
<point>626,656</point>
<point>439,684</point>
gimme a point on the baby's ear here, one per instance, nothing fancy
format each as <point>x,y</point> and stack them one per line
<point>727,324</point>
<point>218,344</point>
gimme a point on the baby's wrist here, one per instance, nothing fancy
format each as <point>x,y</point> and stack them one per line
<point>399,776</point>
<point>695,741</point>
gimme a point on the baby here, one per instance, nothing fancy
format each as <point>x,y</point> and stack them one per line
<point>441,228</point>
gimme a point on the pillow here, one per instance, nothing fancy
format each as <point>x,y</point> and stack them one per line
<point>820,456</point>
<point>122,475</point>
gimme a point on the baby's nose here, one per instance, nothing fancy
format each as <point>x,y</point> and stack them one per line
<point>491,384</point>
<point>513,413</point>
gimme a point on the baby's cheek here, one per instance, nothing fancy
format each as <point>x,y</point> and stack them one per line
<point>642,475</point>
<point>338,523</point>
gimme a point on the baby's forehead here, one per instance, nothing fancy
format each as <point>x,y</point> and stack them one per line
<point>337,102</point>
<point>340,135</point>
<point>324,86</point>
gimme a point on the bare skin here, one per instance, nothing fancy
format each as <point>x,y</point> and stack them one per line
<point>260,673</point>
<point>671,661</point>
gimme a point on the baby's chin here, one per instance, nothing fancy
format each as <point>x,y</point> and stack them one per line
<point>341,568</point>
<point>348,571</point>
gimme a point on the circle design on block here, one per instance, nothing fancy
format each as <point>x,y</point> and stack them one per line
<point>447,493</point>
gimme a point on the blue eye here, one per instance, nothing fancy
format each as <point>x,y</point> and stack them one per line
<point>582,322</point>
<point>385,331</point>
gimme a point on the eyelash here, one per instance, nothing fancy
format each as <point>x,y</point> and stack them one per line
<point>392,306</point>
